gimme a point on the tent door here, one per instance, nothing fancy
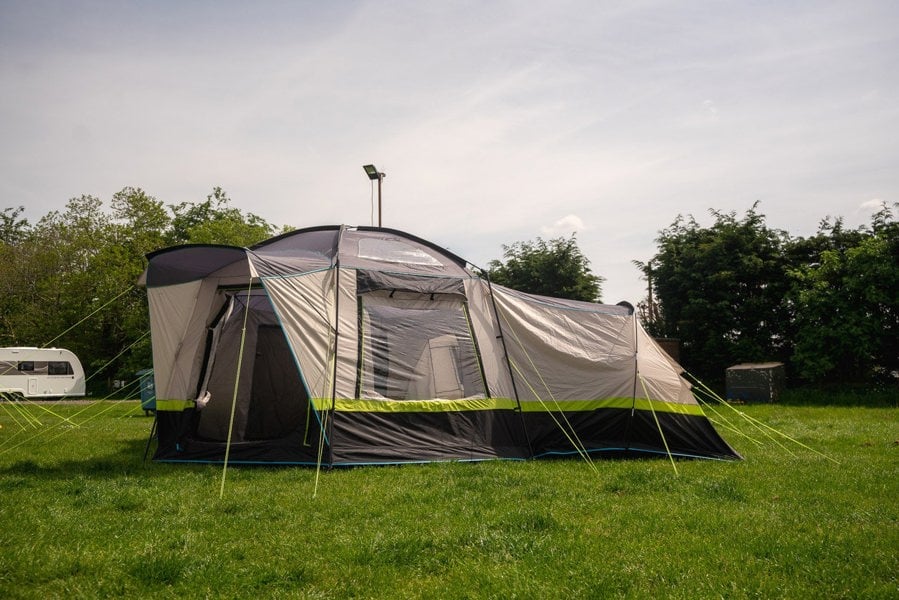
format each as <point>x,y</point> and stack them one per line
<point>278,401</point>
<point>270,399</point>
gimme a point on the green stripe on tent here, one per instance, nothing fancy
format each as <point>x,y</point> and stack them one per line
<point>174,405</point>
<point>625,403</point>
<point>395,406</point>
<point>471,404</point>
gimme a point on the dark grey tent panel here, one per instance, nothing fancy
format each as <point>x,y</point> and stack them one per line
<point>181,264</point>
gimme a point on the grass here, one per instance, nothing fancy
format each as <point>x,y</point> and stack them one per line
<point>82,516</point>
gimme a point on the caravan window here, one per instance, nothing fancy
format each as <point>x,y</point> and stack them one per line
<point>59,368</point>
<point>26,366</point>
<point>416,347</point>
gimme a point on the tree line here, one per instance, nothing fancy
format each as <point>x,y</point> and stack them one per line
<point>736,291</point>
<point>740,291</point>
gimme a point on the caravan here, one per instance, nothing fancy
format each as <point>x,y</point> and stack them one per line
<point>40,372</point>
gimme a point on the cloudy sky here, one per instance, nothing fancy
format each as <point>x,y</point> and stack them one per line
<point>495,122</point>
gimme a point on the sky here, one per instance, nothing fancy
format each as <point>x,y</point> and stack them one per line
<point>494,122</point>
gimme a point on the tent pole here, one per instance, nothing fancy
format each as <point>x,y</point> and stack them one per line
<point>152,435</point>
<point>630,418</point>
<point>334,369</point>
<point>336,344</point>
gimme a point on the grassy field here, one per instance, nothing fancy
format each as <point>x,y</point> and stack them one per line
<point>82,516</point>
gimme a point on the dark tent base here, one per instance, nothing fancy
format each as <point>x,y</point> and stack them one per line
<point>359,438</point>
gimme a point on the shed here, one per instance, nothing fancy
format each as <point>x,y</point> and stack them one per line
<point>755,382</point>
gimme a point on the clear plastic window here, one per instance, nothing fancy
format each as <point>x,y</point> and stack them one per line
<point>416,348</point>
<point>395,251</point>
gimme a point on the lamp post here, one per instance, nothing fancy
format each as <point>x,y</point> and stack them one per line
<point>373,174</point>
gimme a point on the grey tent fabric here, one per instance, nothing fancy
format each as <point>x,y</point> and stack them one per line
<point>351,345</point>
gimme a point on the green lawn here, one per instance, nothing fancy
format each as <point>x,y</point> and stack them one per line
<point>82,516</point>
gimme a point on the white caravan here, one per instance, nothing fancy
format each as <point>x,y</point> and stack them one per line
<point>40,372</point>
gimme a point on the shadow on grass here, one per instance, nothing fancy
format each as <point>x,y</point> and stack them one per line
<point>126,459</point>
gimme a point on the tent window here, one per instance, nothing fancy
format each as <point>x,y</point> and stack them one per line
<point>414,347</point>
<point>395,251</point>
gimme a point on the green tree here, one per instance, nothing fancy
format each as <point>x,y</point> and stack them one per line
<point>846,295</point>
<point>141,223</point>
<point>554,268</point>
<point>13,234</point>
<point>720,290</point>
<point>215,221</point>
<point>55,275</point>
<point>12,228</point>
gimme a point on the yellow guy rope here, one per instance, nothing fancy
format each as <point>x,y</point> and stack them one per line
<point>89,316</point>
<point>243,339</point>
<point>69,420</point>
<point>579,446</point>
<point>658,425</point>
<point>759,424</point>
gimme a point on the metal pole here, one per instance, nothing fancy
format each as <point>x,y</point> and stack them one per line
<point>380,178</point>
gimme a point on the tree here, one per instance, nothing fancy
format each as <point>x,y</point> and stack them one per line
<point>554,268</point>
<point>720,290</point>
<point>12,228</point>
<point>141,223</point>
<point>215,221</point>
<point>846,294</point>
<point>13,232</point>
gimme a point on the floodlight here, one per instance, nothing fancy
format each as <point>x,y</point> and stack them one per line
<point>372,172</point>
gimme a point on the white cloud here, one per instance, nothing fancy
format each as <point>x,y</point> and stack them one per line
<point>871,206</point>
<point>564,227</point>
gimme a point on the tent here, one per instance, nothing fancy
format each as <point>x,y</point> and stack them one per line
<point>343,345</point>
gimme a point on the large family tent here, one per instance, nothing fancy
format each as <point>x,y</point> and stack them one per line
<point>358,345</point>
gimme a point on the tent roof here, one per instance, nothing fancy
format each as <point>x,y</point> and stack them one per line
<point>303,251</point>
<point>190,262</point>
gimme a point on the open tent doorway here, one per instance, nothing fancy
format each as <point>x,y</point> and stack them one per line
<point>249,364</point>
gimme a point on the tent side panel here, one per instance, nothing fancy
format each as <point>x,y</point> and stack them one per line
<point>179,315</point>
<point>403,437</point>
<point>685,435</point>
<point>601,431</point>
<point>566,354</point>
<point>307,312</point>
<point>658,375</point>
<point>596,430</point>
<point>486,332</point>
<point>347,333</point>
<point>177,445</point>
<point>592,378</point>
